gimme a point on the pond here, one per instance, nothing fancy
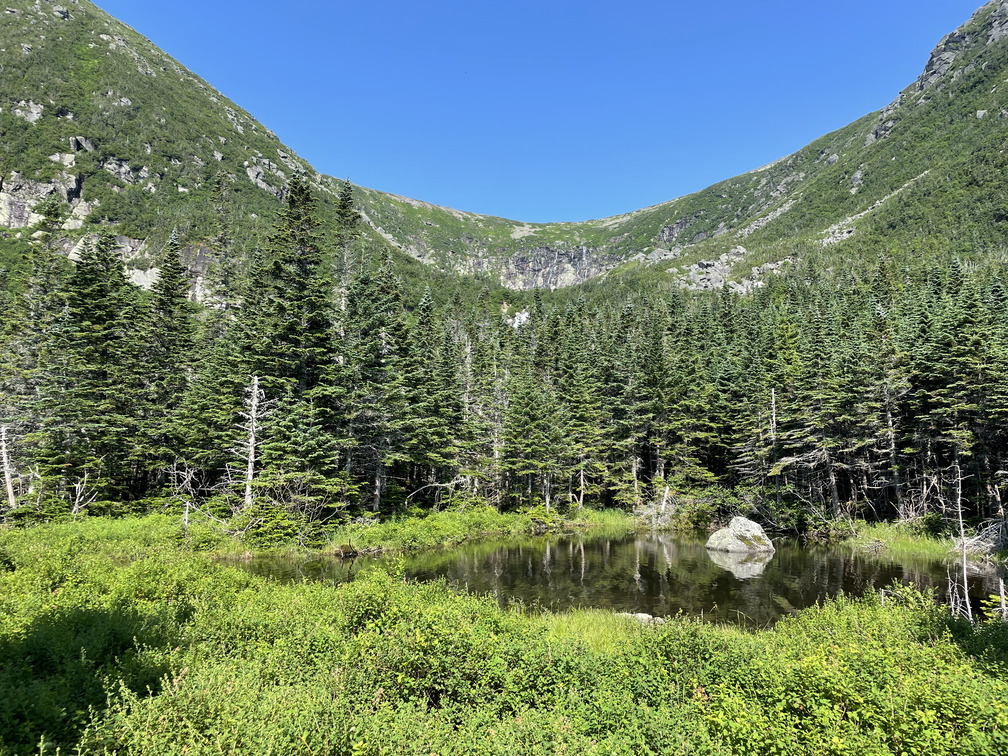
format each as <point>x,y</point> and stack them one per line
<point>657,574</point>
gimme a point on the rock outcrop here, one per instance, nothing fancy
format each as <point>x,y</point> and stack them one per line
<point>28,110</point>
<point>19,196</point>
<point>555,267</point>
<point>742,536</point>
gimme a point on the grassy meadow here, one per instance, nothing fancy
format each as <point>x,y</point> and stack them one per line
<point>127,636</point>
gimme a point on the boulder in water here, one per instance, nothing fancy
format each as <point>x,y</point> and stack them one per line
<point>741,536</point>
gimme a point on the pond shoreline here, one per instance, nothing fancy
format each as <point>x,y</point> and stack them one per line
<point>124,636</point>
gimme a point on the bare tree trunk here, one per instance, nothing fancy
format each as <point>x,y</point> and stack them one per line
<point>834,491</point>
<point>82,497</point>
<point>7,469</point>
<point>894,460</point>
<point>636,482</point>
<point>773,439</point>
<point>962,534</point>
<point>378,475</point>
<point>253,423</point>
<point>581,493</point>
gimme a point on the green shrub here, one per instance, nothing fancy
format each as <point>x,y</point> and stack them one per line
<point>116,637</point>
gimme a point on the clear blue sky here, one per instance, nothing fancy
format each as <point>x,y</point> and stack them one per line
<point>544,111</point>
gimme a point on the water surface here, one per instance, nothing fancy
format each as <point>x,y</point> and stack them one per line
<point>658,574</point>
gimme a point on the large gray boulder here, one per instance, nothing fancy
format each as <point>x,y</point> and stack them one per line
<point>742,536</point>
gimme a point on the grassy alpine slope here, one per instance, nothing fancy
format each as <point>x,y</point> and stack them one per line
<point>162,144</point>
<point>117,636</point>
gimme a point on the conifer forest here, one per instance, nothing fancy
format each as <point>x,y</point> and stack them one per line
<point>291,465</point>
<point>325,390</point>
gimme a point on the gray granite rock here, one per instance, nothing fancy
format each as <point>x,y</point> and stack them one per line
<point>741,536</point>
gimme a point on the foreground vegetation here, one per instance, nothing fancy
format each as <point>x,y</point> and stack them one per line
<point>120,636</point>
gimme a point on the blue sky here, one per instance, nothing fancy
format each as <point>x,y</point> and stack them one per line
<point>548,111</point>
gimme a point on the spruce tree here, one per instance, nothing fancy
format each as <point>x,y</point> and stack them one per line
<point>88,436</point>
<point>374,349</point>
<point>170,344</point>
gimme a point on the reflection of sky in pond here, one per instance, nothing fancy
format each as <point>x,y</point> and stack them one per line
<point>657,574</point>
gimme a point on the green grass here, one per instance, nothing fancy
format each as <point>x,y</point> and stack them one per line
<point>596,630</point>
<point>902,541</point>
<point>101,652</point>
<point>449,528</point>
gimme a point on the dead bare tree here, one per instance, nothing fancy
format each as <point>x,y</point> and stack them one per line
<point>957,471</point>
<point>252,416</point>
<point>184,490</point>
<point>82,497</point>
<point>8,470</point>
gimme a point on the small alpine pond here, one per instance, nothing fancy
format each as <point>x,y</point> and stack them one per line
<point>657,574</point>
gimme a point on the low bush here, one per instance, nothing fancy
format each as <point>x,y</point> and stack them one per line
<point>116,637</point>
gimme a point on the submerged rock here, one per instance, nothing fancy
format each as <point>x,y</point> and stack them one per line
<point>741,536</point>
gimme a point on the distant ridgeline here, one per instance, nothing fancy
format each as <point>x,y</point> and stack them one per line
<point>824,336</point>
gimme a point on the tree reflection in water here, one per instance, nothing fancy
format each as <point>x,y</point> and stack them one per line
<point>659,574</point>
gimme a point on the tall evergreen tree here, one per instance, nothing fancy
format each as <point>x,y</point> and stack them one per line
<point>89,403</point>
<point>170,344</point>
<point>374,349</point>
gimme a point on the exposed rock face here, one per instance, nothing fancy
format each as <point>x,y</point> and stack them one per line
<point>773,215</point>
<point>256,171</point>
<point>880,131</point>
<point>19,196</point>
<point>552,267</point>
<point>714,274</point>
<point>755,279</point>
<point>857,180</point>
<point>542,267</point>
<point>28,110</point>
<point>999,25</point>
<point>120,169</point>
<point>951,46</point>
<point>66,159</point>
<point>79,143</point>
<point>670,233</point>
<point>741,536</point>
<point>744,566</point>
<point>942,58</point>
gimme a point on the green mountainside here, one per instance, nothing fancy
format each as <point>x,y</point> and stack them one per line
<point>925,170</point>
<point>821,338</point>
<point>91,112</point>
<point>107,131</point>
<point>811,344</point>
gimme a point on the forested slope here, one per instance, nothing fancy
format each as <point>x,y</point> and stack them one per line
<point>322,376</point>
<point>323,394</point>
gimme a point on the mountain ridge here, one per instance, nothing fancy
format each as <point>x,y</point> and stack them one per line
<point>106,81</point>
